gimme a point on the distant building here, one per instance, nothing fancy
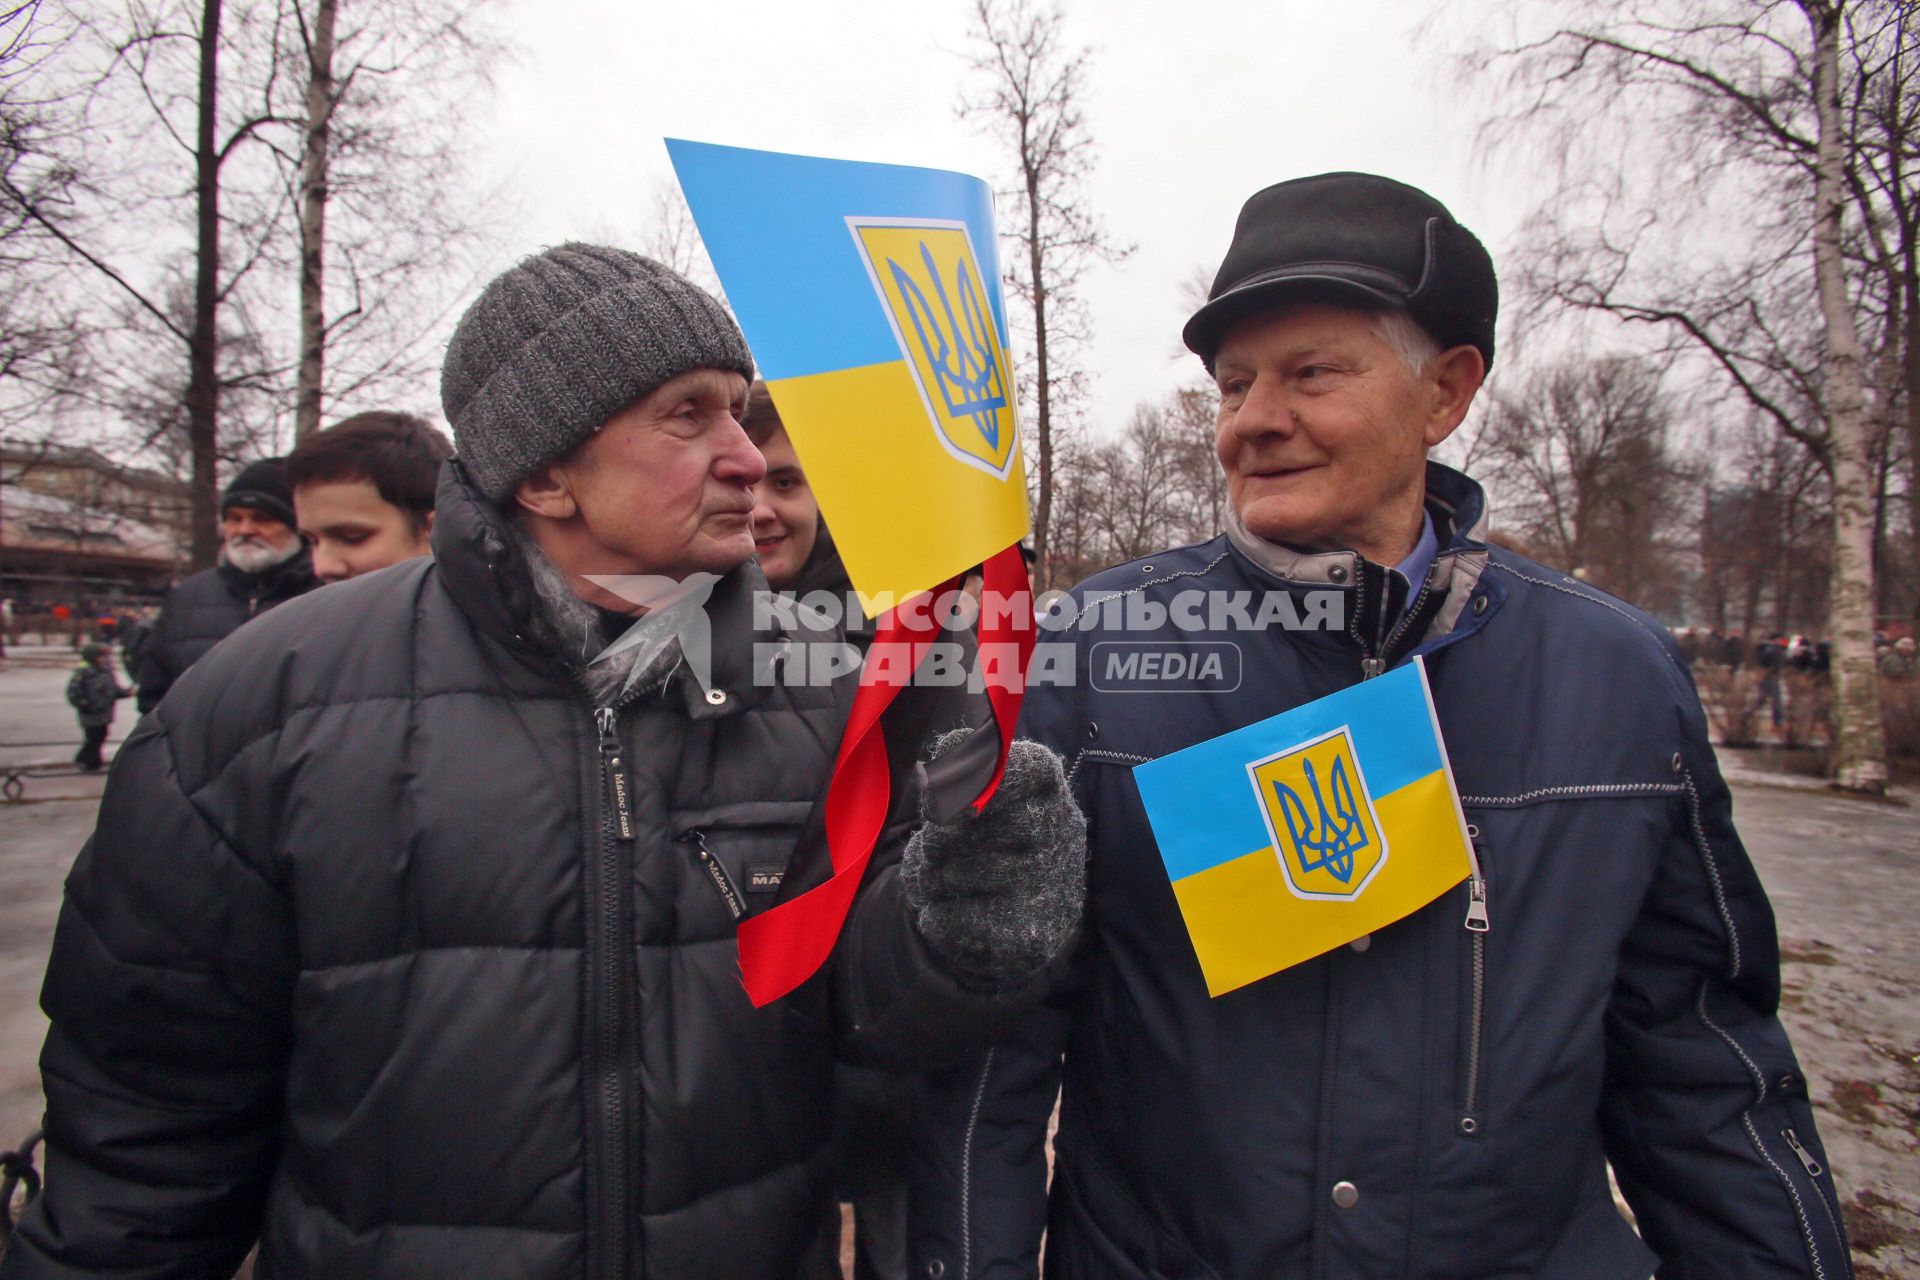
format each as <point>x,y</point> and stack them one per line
<point>81,530</point>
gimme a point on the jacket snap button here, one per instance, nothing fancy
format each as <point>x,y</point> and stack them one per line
<point>1346,1195</point>
<point>936,1269</point>
<point>1479,604</point>
<point>1146,568</point>
<point>1337,574</point>
<point>716,697</point>
<point>1362,942</point>
<point>1678,763</point>
<point>1093,730</point>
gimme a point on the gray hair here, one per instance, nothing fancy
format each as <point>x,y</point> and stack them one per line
<point>1412,343</point>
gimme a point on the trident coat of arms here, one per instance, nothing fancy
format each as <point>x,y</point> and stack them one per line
<point>1318,810</point>
<point>928,279</point>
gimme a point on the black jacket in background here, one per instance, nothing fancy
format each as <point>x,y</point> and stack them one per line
<point>357,962</point>
<point>205,609</point>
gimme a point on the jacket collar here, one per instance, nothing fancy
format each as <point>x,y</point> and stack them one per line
<point>1456,504</point>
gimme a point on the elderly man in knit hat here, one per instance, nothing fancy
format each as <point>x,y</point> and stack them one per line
<point>262,563</point>
<point>1443,1096</point>
<point>406,943</point>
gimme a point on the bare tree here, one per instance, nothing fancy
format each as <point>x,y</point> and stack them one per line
<point>1154,484</point>
<point>41,341</point>
<point>1711,162</point>
<point>1136,509</point>
<point>672,238</point>
<point>1028,98</point>
<point>1762,551</point>
<point>385,86</point>
<point>1578,455</point>
<point>1860,753</point>
<point>214,152</point>
<point>317,40</point>
<point>146,110</point>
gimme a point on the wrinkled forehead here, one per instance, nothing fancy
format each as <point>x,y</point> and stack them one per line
<point>1297,325</point>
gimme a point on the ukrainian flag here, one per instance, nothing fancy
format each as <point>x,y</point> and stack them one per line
<point>870,295</point>
<point>1298,834</point>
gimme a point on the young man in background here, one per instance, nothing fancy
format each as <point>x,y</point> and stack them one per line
<point>363,491</point>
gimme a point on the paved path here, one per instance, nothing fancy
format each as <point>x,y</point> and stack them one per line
<point>37,842</point>
<point>1844,876</point>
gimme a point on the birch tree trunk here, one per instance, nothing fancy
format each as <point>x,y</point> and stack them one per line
<point>1030,90</point>
<point>313,221</point>
<point>203,377</point>
<point>1043,371</point>
<point>1859,749</point>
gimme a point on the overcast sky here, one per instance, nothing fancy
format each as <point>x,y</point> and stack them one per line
<point>1193,106</point>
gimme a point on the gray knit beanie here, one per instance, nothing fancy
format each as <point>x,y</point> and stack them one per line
<point>558,344</point>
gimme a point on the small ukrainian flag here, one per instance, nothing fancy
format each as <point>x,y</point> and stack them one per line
<point>870,294</point>
<point>1298,834</point>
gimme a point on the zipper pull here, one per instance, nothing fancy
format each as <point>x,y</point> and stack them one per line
<point>1814,1168</point>
<point>1477,921</point>
<point>616,772</point>
<point>722,882</point>
<point>1371,667</point>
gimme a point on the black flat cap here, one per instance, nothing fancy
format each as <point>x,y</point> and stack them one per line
<point>1352,238</point>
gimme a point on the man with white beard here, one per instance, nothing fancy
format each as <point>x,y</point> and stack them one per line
<point>262,563</point>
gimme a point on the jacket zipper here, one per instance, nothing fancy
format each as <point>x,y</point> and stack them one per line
<point>716,873</point>
<point>616,830</point>
<point>1407,615</point>
<point>1370,666</point>
<point>1477,924</point>
<point>1813,1167</point>
<point>1375,663</point>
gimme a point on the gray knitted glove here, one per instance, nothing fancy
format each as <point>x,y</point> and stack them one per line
<point>997,894</point>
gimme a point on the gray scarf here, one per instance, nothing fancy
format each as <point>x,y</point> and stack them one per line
<point>643,658</point>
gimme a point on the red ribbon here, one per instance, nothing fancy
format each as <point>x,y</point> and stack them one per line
<point>783,947</point>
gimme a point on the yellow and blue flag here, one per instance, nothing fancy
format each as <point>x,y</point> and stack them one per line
<point>870,295</point>
<point>1298,834</point>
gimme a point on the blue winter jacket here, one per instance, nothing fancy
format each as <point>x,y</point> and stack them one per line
<point>1429,1101</point>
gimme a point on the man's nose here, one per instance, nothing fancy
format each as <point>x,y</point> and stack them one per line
<point>1263,411</point>
<point>737,459</point>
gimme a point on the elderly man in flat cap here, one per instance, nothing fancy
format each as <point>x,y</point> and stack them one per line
<point>406,942</point>
<point>1444,1096</point>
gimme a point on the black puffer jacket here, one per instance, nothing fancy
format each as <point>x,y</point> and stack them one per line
<point>205,609</point>
<point>356,960</point>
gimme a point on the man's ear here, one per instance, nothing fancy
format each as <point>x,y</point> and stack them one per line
<point>547,493</point>
<point>1455,376</point>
